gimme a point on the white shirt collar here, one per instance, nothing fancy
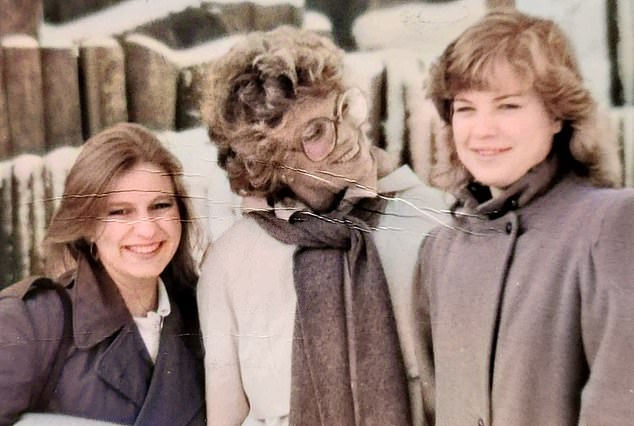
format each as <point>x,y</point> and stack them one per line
<point>163,307</point>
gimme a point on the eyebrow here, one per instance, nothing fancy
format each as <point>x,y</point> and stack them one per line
<point>497,98</point>
<point>160,196</point>
<point>509,95</point>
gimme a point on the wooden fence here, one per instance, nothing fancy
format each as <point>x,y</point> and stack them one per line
<point>57,93</point>
<point>54,94</point>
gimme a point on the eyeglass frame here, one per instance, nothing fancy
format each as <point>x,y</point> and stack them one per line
<point>334,122</point>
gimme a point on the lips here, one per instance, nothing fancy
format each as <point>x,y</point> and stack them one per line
<point>490,152</point>
<point>144,249</point>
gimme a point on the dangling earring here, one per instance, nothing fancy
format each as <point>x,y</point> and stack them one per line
<point>93,251</point>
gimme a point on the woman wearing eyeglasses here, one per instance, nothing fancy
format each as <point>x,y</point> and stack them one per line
<point>305,303</point>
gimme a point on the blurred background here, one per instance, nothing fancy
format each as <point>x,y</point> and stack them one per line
<point>69,68</point>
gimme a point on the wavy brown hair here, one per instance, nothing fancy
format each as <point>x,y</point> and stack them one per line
<point>103,159</point>
<point>250,89</point>
<point>538,50</point>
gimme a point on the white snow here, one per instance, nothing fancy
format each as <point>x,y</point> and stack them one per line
<point>127,15</point>
<point>115,19</point>
<point>622,120</point>
<point>208,186</point>
<point>423,28</point>
<point>365,71</point>
<point>22,41</point>
<point>57,164</point>
<point>295,3</point>
<point>317,21</point>
<point>626,48</point>
<point>6,201</point>
<point>205,52</point>
<point>585,23</point>
<point>29,210</point>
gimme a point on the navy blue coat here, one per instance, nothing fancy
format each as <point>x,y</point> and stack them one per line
<point>108,374</point>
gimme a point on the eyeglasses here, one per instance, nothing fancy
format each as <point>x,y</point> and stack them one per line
<point>319,136</point>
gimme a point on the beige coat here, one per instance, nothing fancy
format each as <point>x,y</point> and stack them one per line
<point>531,313</point>
<point>247,307</point>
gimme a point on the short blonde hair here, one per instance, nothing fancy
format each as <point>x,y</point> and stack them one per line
<point>538,50</point>
<point>249,91</point>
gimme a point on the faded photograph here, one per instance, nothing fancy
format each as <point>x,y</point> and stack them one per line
<point>315,212</point>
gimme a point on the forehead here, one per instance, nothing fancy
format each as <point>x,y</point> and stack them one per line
<point>501,77</point>
<point>144,180</point>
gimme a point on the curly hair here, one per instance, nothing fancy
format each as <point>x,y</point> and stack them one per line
<point>538,50</point>
<point>250,89</point>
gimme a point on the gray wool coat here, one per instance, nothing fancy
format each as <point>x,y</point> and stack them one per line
<point>528,307</point>
<point>108,374</point>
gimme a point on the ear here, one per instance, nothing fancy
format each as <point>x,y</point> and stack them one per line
<point>557,124</point>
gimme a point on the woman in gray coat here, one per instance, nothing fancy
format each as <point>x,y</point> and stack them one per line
<point>527,298</point>
<point>131,352</point>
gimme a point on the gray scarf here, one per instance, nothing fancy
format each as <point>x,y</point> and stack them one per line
<point>347,367</point>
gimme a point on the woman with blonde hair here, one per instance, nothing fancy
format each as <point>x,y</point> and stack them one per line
<point>527,298</point>
<point>123,346</point>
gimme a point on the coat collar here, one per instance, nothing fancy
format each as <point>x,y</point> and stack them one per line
<point>476,198</point>
<point>98,309</point>
<point>99,313</point>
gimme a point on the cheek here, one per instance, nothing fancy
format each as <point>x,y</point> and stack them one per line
<point>108,234</point>
<point>177,230</point>
<point>459,142</point>
<point>459,132</point>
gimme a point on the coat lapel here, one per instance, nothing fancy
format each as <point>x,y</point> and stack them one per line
<point>126,365</point>
<point>180,380</point>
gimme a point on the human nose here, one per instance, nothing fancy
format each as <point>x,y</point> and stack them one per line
<point>484,124</point>
<point>146,225</point>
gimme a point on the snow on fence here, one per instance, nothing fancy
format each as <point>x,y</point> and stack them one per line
<point>57,93</point>
<point>622,118</point>
<point>125,62</point>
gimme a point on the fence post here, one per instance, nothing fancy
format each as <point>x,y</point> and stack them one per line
<point>102,65</point>
<point>270,15</point>
<point>62,106</point>
<point>152,80</point>
<point>23,84</point>
<point>5,139</point>
<point>20,16</point>
<point>190,85</point>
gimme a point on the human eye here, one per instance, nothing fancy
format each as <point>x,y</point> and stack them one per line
<point>461,107</point>
<point>163,205</point>
<point>117,211</point>
<point>315,130</point>
<point>509,106</point>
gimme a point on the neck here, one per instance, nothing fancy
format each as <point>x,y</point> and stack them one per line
<point>140,297</point>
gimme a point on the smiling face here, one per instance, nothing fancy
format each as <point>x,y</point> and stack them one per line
<point>327,149</point>
<point>502,132</point>
<point>140,230</point>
